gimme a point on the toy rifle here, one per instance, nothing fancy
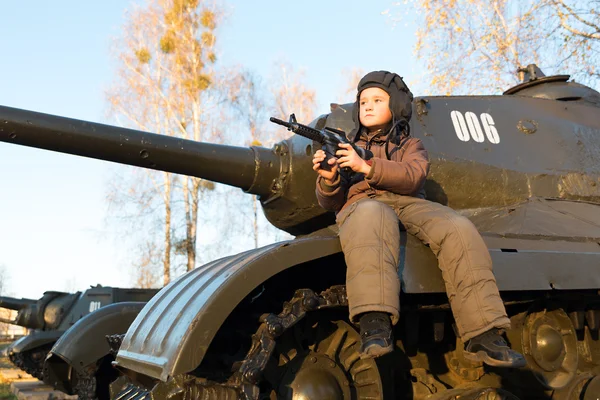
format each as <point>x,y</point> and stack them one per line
<point>329,139</point>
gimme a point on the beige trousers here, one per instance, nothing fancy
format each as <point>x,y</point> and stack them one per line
<point>370,238</point>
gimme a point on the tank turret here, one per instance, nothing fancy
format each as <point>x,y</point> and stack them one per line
<point>534,83</point>
<point>509,147</point>
<point>54,313</point>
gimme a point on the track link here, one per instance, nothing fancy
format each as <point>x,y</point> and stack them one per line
<point>243,384</point>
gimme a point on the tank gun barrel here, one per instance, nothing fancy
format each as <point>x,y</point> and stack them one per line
<point>281,177</point>
<point>252,169</point>
<point>15,304</point>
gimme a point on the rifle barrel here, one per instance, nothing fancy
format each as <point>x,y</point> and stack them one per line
<point>302,130</point>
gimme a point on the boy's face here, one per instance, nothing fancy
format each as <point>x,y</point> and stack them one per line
<point>374,108</point>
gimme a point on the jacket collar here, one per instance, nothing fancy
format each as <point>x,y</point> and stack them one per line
<point>377,136</point>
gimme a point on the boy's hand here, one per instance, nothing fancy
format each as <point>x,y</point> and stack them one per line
<point>327,175</point>
<point>349,158</point>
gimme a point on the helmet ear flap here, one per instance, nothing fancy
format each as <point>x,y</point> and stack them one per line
<point>405,99</point>
<point>401,85</point>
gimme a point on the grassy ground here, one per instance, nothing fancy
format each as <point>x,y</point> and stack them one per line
<point>5,393</point>
<point>4,361</point>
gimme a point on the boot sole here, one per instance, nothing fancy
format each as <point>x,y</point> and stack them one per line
<point>482,356</point>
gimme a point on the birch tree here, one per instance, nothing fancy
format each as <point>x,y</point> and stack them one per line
<point>165,60</point>
<point>247,97</point>
<point>189,41</point>
<point>145,276</point>
<point>471,47</point>
<point>138,99</point>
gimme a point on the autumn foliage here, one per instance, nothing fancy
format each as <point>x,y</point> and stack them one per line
<point>471,46</point>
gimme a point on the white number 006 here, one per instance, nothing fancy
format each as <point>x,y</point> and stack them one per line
<point>468,126</point>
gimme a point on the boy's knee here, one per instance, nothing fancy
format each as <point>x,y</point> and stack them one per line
<point>369,221</point>
<point>446,227</point>
<point>369,210</point>
<point>453,223</point>
<point>461,223</point>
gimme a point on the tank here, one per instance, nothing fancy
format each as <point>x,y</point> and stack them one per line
<point>53,314</point>
<point>272,322</point>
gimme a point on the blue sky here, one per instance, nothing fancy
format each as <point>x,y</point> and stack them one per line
<point>56,59</point>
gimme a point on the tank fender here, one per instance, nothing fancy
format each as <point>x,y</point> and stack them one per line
<point>85,342</point>
<point>33,340</point>
<point>172,333</point>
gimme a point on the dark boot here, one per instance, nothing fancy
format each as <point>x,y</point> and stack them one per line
<point>375,334</point>
<point>491,348</point>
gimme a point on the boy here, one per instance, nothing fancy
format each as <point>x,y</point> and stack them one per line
<point>389,187</point>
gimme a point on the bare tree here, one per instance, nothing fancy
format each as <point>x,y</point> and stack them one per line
<point>472,46</point>
<point>247,97</point>
<point>136,200</point>
<point>164,85</point>
<point>4,312</point>
<point>190,41</point>
<point>145,275</point>
<point>291,94</point>
<point>140,97</point>
<point>253,102</point>
<point>351,79</point>
<point>579,23</point>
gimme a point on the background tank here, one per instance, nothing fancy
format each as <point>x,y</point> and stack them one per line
<point>271,322</point>
<point>53,314</point>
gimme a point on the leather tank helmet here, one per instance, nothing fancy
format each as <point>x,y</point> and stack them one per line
<point>400,103</point>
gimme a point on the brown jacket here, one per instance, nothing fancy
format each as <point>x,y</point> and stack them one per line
<point>403,174</point>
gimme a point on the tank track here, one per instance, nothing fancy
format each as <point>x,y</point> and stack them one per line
<point>469,383</point>
<point>114,341</point>
<point>87,384</point>
<point>85,389</point>
<point>31,361</point>
<point>243,384</point>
